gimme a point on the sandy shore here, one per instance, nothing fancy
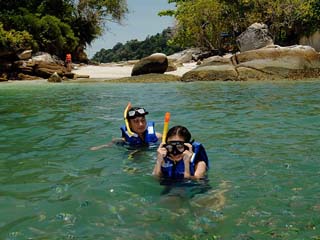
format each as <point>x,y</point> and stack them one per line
<point>106,71</point>
<point>109,71</point>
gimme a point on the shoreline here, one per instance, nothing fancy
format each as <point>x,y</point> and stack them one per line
<point>114,71</point>
<point>104,72</point>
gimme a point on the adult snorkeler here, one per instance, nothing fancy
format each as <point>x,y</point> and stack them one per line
<point>137,131</point>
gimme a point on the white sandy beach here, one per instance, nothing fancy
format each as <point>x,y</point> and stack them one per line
<point>107,72</point>
<point>112,71</point>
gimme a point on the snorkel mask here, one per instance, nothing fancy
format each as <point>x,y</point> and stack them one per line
<point>136,112</point>
<point>175,147</point>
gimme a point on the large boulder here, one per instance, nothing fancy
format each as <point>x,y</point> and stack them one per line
<point>276,62</point>
<point>155,63</point>
<point>256,36</point>
<point>45,69</point>
<point>186,56</point>
<point>43,57</point>
<point>273,62</point>
<point>212,69</point>
<point>312,40</point>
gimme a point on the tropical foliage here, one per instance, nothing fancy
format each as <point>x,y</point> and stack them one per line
<point>60,26</point>
<point>135,49</point>
<point>14,40</point>
<point>201,22</point>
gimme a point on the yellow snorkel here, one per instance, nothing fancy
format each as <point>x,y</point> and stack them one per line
<point>126,120</point>
<point>165,126</point>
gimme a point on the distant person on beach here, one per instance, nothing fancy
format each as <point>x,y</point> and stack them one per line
<point>137,131</point>
<point>179,157</point>
<point>68,62</point>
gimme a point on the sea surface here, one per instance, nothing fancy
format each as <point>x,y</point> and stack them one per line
<point>262,138</point>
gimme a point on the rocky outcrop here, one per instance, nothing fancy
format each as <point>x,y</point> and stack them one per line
<point>23,66</point>
<point>312,41</point>
<point>184,56</point>
<point>269,63</point>
<point>256,36</point>
<point>189,55</point>
<point>155,63</point>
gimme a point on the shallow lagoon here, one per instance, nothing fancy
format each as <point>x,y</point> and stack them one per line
<point>262,139</point>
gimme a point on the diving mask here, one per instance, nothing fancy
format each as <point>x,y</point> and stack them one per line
<point>136,112</point>
<point>175,147</point>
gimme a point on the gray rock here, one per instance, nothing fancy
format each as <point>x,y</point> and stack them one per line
<point>155,63</point>
<point>43,57</point>
<point>185,56</point>
<point>256,36</point>
<point>312,41</point>
<point>55,78</point>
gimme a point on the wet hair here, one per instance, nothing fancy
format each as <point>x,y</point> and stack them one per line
<point>181,131</point>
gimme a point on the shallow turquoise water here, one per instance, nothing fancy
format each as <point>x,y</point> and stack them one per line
<point>262,139</point>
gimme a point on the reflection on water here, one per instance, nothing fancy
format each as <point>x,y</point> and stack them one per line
<point>262,139</point>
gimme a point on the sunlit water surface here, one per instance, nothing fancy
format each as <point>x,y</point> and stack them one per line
<point>262,138</point>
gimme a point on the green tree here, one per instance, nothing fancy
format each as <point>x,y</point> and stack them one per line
<point>60,26</point>
<point>15,40</point>
<point>288,20</point>
<point>91,16</point>
<point>200,22</point>
<point>135,49</point>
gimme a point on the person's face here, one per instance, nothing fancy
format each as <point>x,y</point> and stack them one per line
<point>178,141</point>
<point>138,124</point>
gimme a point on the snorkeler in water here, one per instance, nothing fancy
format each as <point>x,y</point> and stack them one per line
<point>137,131</point>
<point>179,157</point>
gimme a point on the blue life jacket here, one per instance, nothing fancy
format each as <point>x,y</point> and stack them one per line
<point>175,170</point>
<point>149,135</point>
